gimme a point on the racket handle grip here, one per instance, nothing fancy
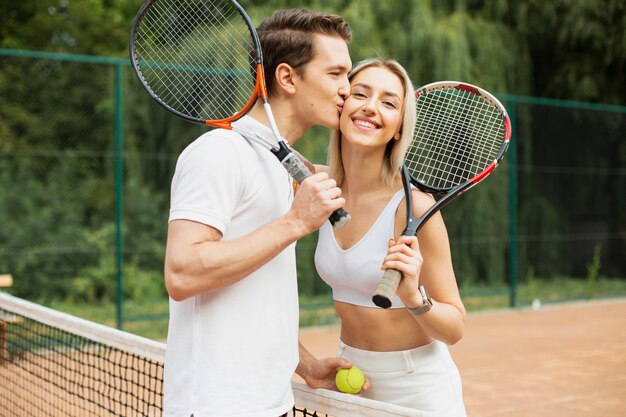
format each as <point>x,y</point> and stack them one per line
<point>339,217</point>
<point>300,172</point>
<point>387,288</point>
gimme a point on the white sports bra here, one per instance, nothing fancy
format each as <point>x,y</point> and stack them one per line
<point>354,273</point>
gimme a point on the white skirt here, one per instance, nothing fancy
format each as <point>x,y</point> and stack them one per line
<point>424,379</point>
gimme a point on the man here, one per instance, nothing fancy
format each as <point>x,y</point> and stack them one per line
<point>230,265</point>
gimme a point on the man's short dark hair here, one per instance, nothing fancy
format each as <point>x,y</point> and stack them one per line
<point>286,37</point>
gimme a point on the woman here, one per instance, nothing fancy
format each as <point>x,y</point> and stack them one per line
<point>401,350</point>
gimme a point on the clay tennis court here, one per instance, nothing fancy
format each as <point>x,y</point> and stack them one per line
<point>565,360</point>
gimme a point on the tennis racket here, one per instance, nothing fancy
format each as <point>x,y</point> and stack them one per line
<point>202,61</point>
<point>461,134</point>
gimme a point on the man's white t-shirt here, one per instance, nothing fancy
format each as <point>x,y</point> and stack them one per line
<point>233,352</point>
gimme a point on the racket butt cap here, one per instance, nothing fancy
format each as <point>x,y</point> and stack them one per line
<point>339,218</point>
<point>381,301</point>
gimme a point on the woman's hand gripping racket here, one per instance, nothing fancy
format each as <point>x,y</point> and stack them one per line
<point>202,61</point>
<point>461,134</point>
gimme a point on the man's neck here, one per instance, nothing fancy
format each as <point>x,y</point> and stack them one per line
<point>289,127</point>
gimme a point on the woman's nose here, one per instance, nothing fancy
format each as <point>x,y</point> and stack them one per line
<point>369,106</point>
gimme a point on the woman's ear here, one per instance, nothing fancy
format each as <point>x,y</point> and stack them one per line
<point>397,136</point>
<point>285,78</point>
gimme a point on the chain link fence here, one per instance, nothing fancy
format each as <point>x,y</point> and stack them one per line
<point>86,160</point>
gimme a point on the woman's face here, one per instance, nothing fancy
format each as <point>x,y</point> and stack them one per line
<point>372,115</point>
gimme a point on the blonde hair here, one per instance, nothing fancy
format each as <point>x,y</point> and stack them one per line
<point>396,149</point>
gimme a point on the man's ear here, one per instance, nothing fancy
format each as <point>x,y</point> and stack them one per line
<point>285,74</point>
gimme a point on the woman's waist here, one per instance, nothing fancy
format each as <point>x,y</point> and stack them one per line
<point>395,361</point>
<point>379,330</point>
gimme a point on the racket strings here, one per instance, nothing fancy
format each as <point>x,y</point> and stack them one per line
<point>224,24</point>
<point>197,18</point>
<point>458,135</point>
<point>196,57</point>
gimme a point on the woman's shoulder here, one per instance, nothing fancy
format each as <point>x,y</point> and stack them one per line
<point>421,198</point>
<point>422,201</point>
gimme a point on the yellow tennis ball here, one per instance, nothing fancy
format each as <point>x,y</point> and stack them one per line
<point>350,380</point>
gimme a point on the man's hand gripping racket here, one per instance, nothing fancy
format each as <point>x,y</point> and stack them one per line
<point>202,61</point>
<point>461,134</point>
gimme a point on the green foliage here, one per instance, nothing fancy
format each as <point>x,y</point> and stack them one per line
<point>57,199</point>
<point>593,270</point>
<point>478,251</point>
<point>95,27</point>
<point>540,224</point>
<point>532,284</point>
<point>578,46</point>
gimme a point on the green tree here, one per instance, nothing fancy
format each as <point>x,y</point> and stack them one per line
<point>578,48</point>
<point>94,27</point>
<point>56,127</point>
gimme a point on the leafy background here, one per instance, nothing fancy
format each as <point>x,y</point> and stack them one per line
<point>57,129</point>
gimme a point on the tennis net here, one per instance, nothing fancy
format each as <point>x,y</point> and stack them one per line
<point>55,364</point>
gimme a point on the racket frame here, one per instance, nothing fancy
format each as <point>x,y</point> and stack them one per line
<point>259,91</point>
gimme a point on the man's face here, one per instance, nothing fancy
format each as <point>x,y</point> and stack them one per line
<point>322,84</point>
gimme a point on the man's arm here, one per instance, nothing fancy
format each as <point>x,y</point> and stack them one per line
<point>198,261</point>
<point>319,373</point>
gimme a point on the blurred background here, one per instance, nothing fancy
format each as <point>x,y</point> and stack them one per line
<point>86,157</point>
